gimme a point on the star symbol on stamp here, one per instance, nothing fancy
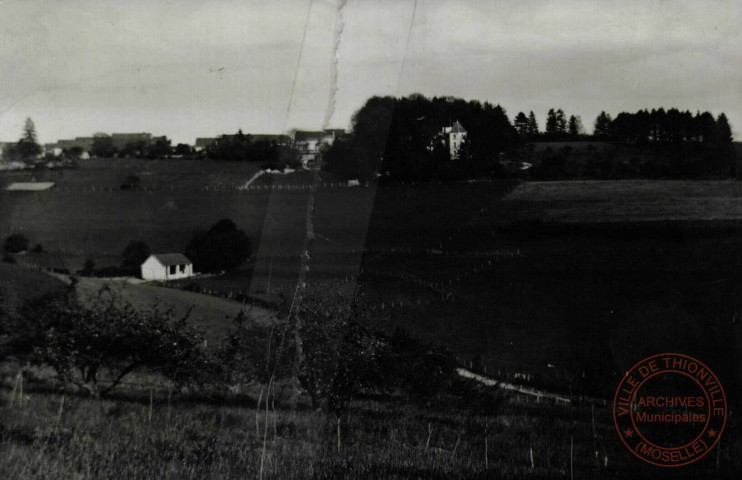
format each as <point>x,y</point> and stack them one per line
<point>628,432</point>
<point>712,432</point>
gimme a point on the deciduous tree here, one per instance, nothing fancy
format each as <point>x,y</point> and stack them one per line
<point>103,146</point>
<point>222,247</point>
<point>135,253</point>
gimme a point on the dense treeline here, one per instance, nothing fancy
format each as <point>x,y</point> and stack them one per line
<point>558,127</point>
<point>642,127</point>
<point>671,126</point>
<point>402,139</point>
<point>241,147</point>
<point>237,147</point>
<point>645,144</point>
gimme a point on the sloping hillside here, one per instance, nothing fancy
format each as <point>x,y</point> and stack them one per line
<point>215,315</point>
<point>19,284</point>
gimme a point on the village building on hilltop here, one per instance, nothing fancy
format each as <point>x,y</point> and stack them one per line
<point>450,138</point>
<point>309,143</point>
<point>202,143</point>
<point>121,140</point>
<point>454,136</point>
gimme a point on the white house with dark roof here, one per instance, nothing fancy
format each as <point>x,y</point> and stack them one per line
<point>167,266</point>
<point>455,135</point>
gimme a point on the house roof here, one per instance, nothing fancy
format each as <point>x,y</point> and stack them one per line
<point>305,135</point>
<point>204,142</point>
<point>457,128</point>
<point>269,137</point>
<point>167,259</point>
<point>82,142</point>
<point>131,135</point>
<point>335,132</point>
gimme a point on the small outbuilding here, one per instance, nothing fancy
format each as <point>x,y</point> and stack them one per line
<point>167,266</point>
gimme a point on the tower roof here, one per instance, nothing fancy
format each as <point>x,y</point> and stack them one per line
<point>457,128</point>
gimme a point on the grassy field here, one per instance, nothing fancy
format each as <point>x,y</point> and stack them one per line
<point>605,273</point>
<point>608,272</point>
<point>627,201</point>
<point>103,173</point>
<point>597,260</point>
<point>215,315</point>
<point>18,285</point>
<point>87,215</point>
<point>55,436</point>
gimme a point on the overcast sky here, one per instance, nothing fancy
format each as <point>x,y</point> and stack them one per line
<point>204,67</point>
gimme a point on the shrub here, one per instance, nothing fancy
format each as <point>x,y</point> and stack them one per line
<point>15,243</point>
<point>38,248</point>
<point>132,182</point>
<point>421,371</point>
<point>135,253</point>
<point>222,247</point>
<point>89,266</point>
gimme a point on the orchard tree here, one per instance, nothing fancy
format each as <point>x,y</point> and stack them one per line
<point>80,342</point>
<point>27,147</point>
<point>341,352</point>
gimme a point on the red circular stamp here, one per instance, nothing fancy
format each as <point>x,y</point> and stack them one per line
<point>670,410</point>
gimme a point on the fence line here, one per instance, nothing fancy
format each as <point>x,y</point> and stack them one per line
<point>491,254</point>
<point>284,187</point>
<point>490,382</point>
<point>211,189</point>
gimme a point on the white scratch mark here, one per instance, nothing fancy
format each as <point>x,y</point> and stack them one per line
<point>406,46</point>
<point>298,63</point>
<point>334,70</point>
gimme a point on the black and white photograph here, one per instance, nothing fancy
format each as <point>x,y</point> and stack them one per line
<point>370,239</point>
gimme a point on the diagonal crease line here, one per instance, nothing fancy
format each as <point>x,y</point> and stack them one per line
<point>298,63</point>
<point>406,46</point>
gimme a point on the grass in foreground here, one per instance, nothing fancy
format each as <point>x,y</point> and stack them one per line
<point>54,436</point>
